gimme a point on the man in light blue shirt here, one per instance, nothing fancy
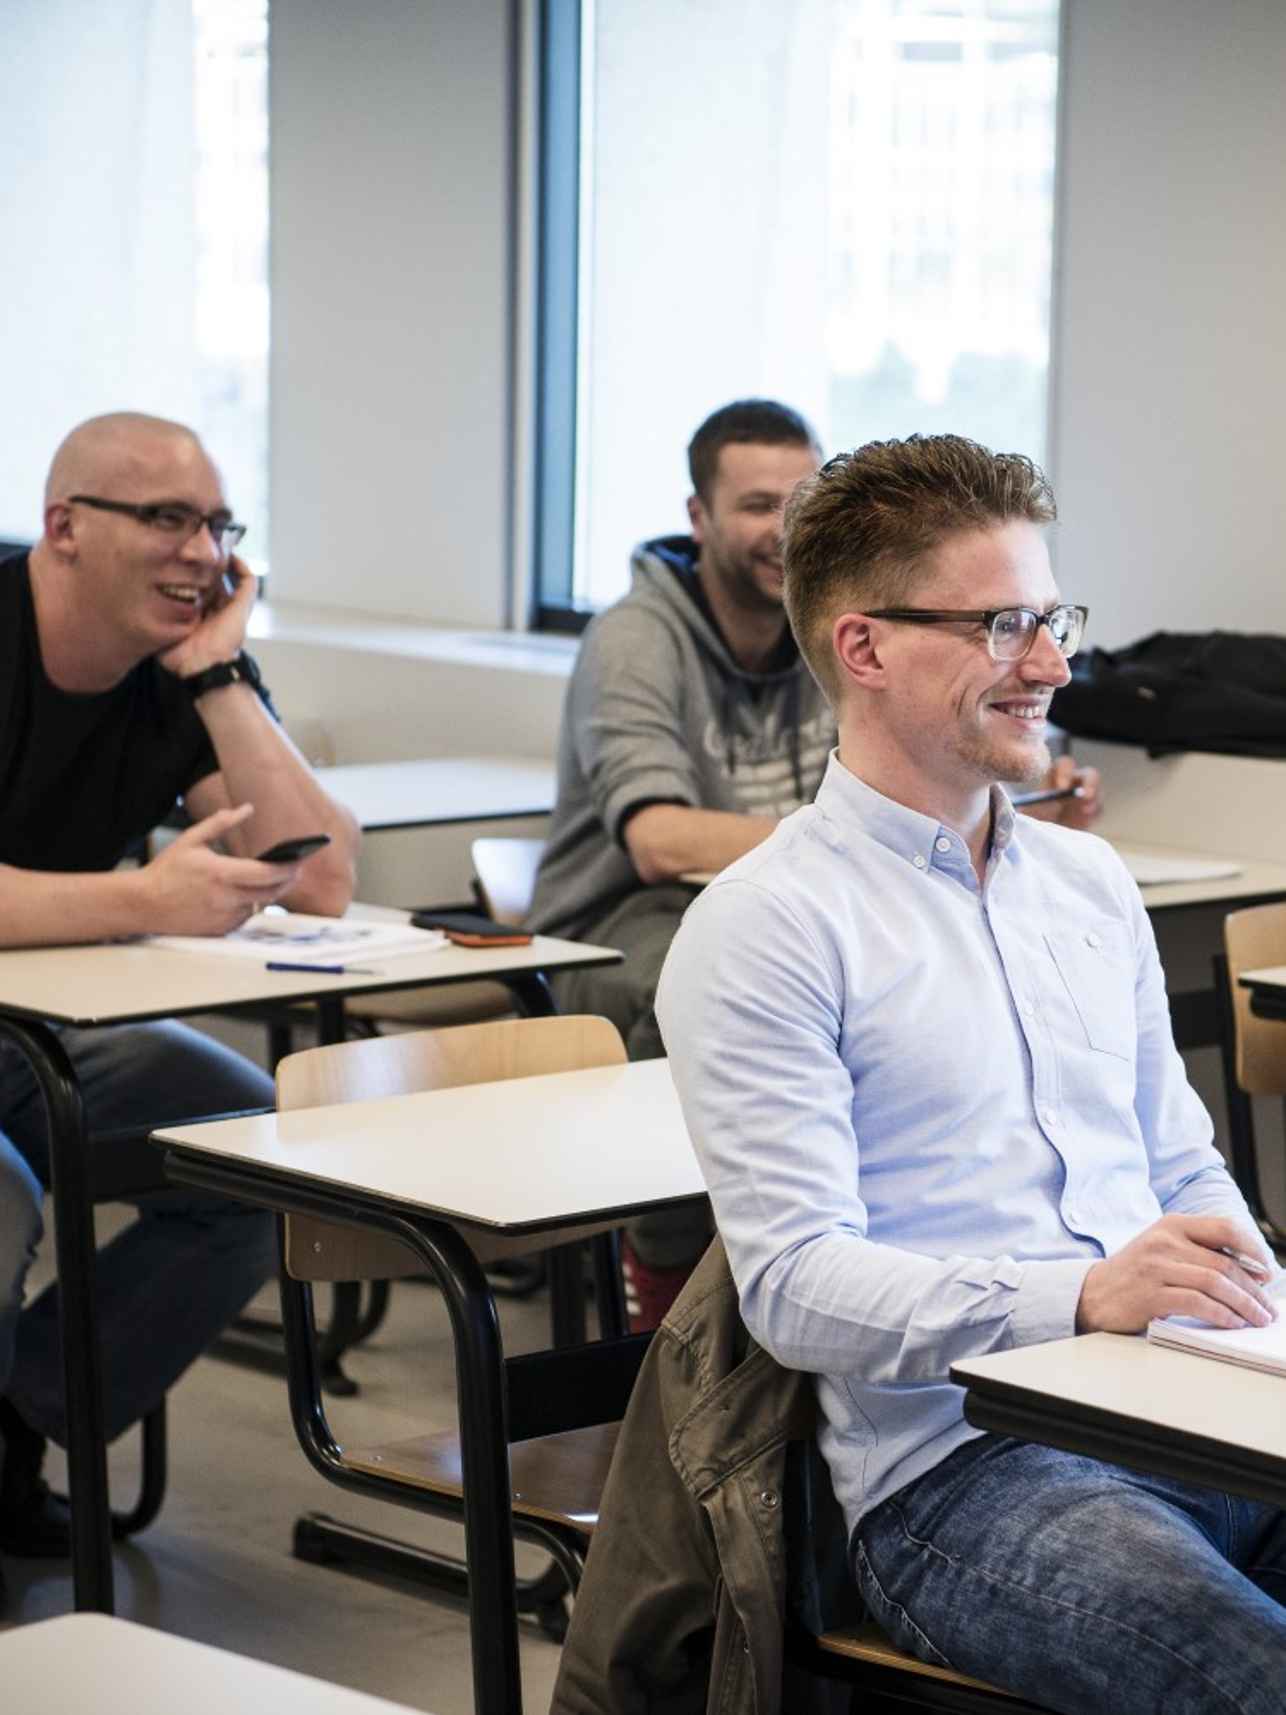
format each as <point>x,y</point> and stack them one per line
<point>924,1051</point>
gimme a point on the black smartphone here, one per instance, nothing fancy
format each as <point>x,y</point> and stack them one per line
<point>469,929</point>
<point>290,851</point>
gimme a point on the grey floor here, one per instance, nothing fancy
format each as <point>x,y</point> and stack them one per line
<point>216,1565</point>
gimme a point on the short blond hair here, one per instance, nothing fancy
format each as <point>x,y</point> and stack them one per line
<point>858,533</point>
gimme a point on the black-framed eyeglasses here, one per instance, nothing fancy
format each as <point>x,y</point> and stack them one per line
<point>1011,631</point>
<point>175,519</point>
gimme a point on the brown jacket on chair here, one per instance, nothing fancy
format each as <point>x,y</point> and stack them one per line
<point>682,1604</point>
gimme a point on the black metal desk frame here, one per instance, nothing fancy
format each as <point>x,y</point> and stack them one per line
<point>490,1415</point>
<point>1120,1439</point>
<point>71,1185</point>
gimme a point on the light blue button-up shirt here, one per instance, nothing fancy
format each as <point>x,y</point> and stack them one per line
<point>924,1107</point>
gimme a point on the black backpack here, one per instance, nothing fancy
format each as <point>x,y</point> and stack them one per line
<point>1214,690</point>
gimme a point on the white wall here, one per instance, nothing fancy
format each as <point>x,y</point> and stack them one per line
<point>389,149</point>
<point>1168,444</point>
<point>377,704</point>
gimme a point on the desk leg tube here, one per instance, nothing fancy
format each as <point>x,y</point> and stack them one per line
<point>532,994</point>
<point>484,1452</point>
<point>91,1527</point>
<point>484,1441</point>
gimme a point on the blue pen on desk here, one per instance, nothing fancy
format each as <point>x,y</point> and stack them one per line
<point>323,970</point>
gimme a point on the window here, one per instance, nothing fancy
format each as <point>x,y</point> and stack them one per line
<point>135,221</point>
<point>844,204</point>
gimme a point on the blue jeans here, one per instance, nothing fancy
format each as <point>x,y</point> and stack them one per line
<point>1081,1585</point>
<point>177,1275</point>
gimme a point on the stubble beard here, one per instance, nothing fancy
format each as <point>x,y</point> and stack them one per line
<point>1006,764</point>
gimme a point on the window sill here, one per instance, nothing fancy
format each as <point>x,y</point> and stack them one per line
<point>337,628</point>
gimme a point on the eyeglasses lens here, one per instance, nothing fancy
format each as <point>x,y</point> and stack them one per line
<point>1068,627</point>
<point>1013,631</point>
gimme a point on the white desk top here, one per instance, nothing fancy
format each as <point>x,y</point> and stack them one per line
<point>110,984</point>
<point>439,790</point>
<point>1123,1374</point>
<point>1268,977</point>
<point>520,1155</point>
<point>82,1662</point>
<point>1254,880</point>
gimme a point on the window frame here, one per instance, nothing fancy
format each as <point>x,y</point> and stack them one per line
<point>562,26</point>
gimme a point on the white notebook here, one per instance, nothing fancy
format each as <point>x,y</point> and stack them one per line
<point>1255,1348</point>
<point>1153,869</point>
<point>304,940</point>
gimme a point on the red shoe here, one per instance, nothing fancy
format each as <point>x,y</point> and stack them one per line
<point>649,1292</point>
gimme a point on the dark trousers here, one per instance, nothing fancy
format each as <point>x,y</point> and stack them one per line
<point>169,1282</point>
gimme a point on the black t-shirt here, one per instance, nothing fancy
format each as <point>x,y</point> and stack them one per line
<point>83,778</point>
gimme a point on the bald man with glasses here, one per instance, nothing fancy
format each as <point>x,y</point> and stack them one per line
<point>125,689</point>
<point>924,1053</point>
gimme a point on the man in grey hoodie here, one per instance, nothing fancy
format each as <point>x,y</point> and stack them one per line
<point>691,726</point>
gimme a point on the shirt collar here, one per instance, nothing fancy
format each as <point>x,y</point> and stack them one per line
<point>853,807</point>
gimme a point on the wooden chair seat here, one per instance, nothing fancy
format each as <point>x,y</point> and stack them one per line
<point>557,1479</point>
<point>867,1643</point>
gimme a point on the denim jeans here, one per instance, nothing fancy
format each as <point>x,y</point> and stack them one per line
<point>170,1281</point>
<point>1081,1585</point>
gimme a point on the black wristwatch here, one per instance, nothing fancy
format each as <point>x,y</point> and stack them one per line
<point>241,670</point>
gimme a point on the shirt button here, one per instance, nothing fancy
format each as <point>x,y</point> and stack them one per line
<point>942,843</point>
<point>1093,940</point>
<point>920,862</point>
<point>1050,1116</point>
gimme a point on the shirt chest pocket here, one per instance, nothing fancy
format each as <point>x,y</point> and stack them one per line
<point>1094,971</point>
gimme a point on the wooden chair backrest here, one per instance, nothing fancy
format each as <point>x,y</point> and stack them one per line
<point>401,1065</point>
<point>1254,938</point>
<point>506,872</point>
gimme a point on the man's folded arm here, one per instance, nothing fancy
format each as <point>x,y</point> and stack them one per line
<point>748,1005</point>
<point>625,712</point>
<point>669,840</point>
<point>259,765</point>
<point>40,908</point>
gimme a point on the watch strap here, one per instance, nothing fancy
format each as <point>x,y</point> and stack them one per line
<point>240,670</point>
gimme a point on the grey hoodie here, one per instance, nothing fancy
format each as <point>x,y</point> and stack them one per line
<point>657,711</point>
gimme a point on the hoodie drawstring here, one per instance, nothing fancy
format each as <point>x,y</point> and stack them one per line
<point>792,722</point>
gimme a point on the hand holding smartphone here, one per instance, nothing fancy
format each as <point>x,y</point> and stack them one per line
<point>292,851</point>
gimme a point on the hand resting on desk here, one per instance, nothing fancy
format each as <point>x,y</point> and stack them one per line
<point>1177,1267</point>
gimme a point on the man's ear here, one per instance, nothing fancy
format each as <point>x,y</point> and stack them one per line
<point>59,530</point>
<point>697,517</point>
<point>857,649</point>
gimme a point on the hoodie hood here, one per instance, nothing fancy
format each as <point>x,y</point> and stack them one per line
<point>665,570</point>
<point>659,712</point>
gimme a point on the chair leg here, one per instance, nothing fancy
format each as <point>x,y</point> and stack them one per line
<point>1241,1118</point>
<point>379,1292</point>
<point>322,1540</point>
<point>566,1295</point>
<point>155,1469</point>
<point>281,1041</point>
<point>609,1287</point>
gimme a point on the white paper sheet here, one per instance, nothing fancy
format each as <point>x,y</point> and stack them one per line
<point>1150,869</point>
<point>300,939</point>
